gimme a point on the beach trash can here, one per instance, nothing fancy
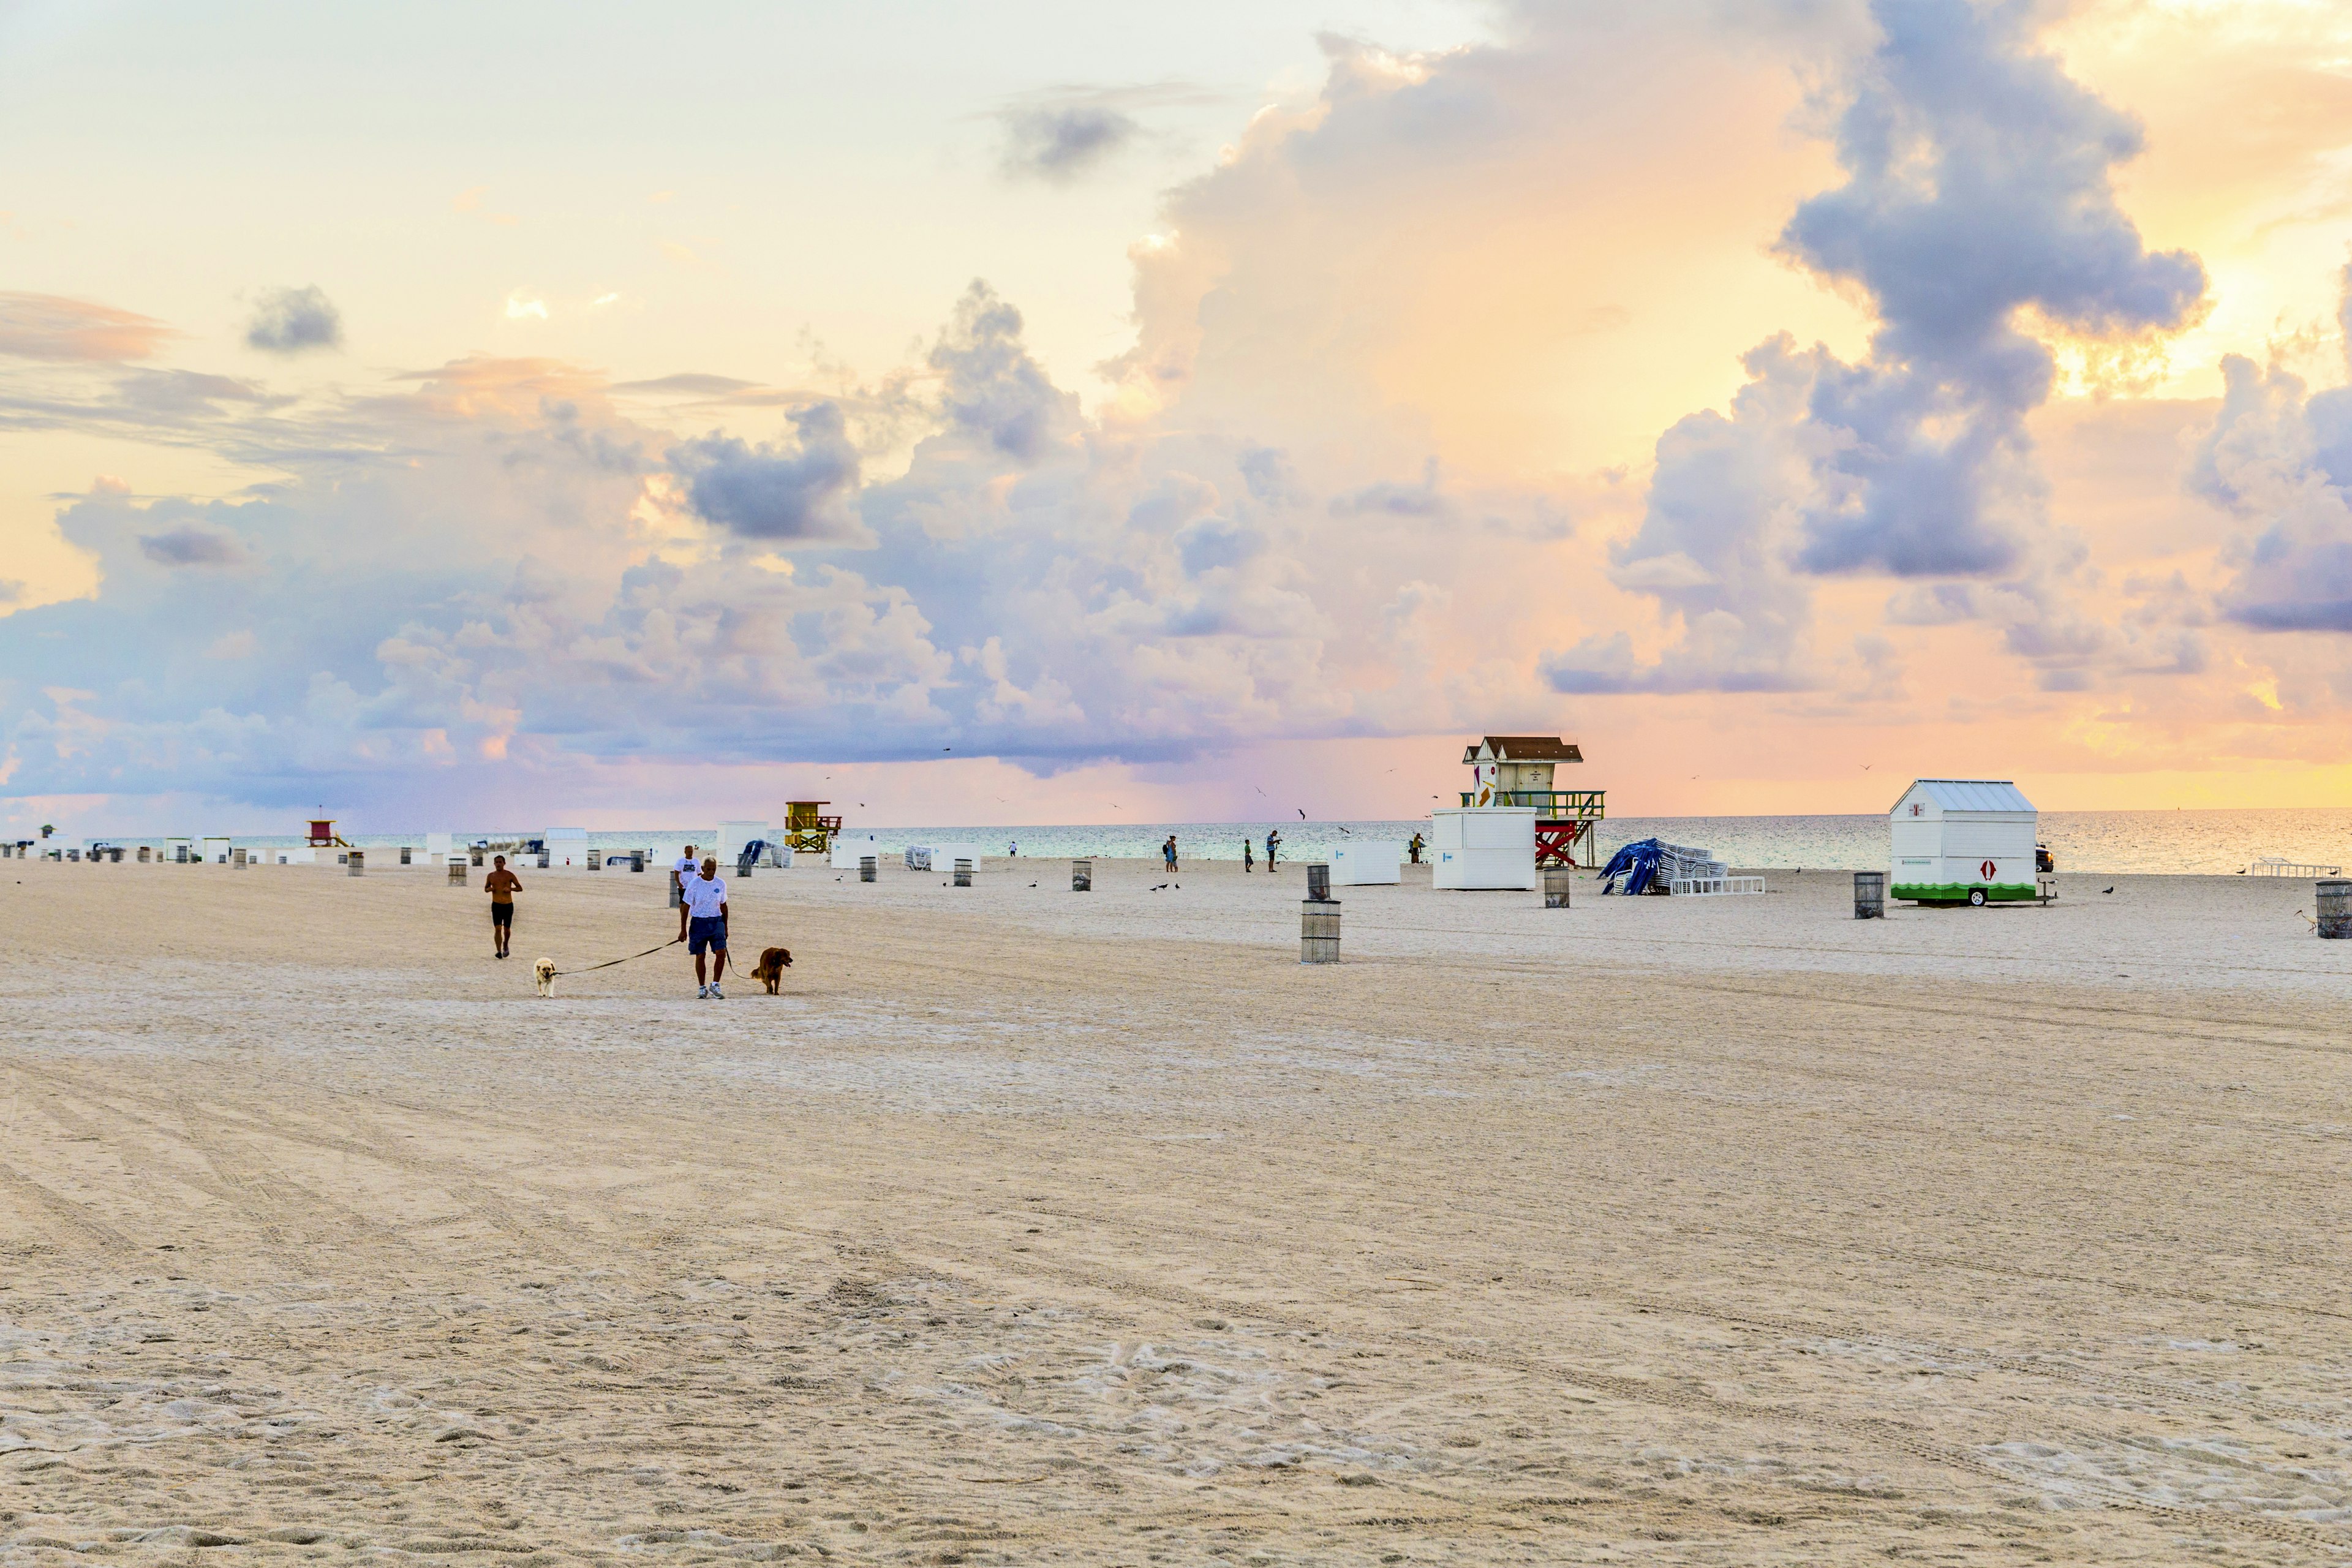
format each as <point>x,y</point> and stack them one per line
<point>1870,895</point>
<point>405,859</point>
<point>456,871</point>
<point>1082,876</point>
<point>1318,931</point>
<point>1319,882</point>
<point>475,855</point>
<point>2335,907</point>
<point>146,855</point>
<point>1558,880</point>
<point>962,872</point>
<point>595,859</point>
<point>358,861</point>
<point>865,868</point>
<point>637,860</point>
<point>115,856</point>
<point>546,859</point>
<point>236,861</point>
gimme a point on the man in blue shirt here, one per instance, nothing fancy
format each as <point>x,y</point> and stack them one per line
<point>702,923</point>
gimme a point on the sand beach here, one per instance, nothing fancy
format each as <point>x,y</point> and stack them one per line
<point>1029,1227</point>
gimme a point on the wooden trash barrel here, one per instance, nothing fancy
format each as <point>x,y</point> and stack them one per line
<point>1319,882</point>
<point>1082,876</point>
<point>457,870</point>
<point>475,855</point>
<point>236,861</point>
<point>1318,931</point>
<point>358,861</point>
<point>595,859</point>
<point>406,856</point>
<point>546,859</point>
<point>2335,907</point>
<point>144,856</point>
<point>637,859</point>
<point>1558,880</point>
<point>114,855</point>
<point>1870,895</point>
<point>865,868</point>
<point>962,872</point>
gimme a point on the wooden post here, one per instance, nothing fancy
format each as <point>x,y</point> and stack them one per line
<point>1082,876</point>
<point>1870,895</point>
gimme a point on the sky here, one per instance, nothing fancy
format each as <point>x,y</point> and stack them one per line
<point>1058,413</point>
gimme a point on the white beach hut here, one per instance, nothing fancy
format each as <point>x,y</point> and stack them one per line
<point>215,851</point>
<point>1367,862</point>
<point>1483,846</point>
<point>1963,841</point>
<point>565,846</point>
<point>847,848</point>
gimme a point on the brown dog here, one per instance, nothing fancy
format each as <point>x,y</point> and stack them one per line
<point>774,961</point>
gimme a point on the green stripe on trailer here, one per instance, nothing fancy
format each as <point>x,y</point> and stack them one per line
<point>1958,892</point>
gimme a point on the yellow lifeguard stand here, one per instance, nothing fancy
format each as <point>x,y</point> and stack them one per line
<point>1517,770</point>
<point>807,828</point>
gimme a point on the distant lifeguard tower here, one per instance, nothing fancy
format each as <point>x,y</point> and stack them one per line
<point>1517,770</point>
<point>807,828</point>
<point>323,835</point>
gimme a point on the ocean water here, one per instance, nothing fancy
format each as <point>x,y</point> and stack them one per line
<point>2206,842</point>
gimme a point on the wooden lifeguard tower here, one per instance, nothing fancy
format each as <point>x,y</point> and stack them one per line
<point>323,835</point>
<point>1517,770</point>
<point>807,828</point>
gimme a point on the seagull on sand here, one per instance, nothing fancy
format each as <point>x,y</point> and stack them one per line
<point>2106,889</point>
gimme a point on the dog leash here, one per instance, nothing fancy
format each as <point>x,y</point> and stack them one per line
<point>610,962</point>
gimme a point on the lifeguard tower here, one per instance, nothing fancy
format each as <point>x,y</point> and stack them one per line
<point>323,835</point>
<point>807,828</point>
<point>1516,771</point>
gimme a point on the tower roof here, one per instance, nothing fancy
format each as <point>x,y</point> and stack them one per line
<point>1524,749</point>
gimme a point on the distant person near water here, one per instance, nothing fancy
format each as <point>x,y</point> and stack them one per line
<point>702,923</point>
<point>1416,846</point>
<point>1249,862</point>
<point>501,885</point>
<point>1168,853</point>
<point>1012,850</point>
<point>1273,846</point>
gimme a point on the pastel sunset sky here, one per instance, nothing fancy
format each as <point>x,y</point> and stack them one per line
<point>472,416</point>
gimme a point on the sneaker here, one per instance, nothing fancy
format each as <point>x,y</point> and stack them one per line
<point>717,994</point>
<point>702,991</point>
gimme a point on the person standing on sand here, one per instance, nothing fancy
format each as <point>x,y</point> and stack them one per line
<point>502,885</point>
<point>1273,846</point>
<point>1417,845</point>
<point>684,866</point>
<point>1249,863</point>
<point>1168,853</point>
<point>702,923</point>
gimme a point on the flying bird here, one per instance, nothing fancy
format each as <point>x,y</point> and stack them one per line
<point>1302,814</point>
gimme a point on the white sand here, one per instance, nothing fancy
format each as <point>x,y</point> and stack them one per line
<point>1030,1227</point>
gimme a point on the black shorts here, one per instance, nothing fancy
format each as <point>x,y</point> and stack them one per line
<point>502,914</point>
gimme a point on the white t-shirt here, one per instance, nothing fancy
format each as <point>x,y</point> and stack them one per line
<point>702,898</point>
<point>686,866</point>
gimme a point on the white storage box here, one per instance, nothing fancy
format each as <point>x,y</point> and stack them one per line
<point>1367,863</point>
<point>1483,846</point>
<point>848,850</point>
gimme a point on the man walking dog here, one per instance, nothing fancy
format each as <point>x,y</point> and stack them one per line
<point>702,923</point>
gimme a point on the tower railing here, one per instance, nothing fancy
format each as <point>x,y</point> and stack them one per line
<point>1556,804</point>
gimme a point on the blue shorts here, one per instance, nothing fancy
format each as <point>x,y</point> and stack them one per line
<point>706,931</point>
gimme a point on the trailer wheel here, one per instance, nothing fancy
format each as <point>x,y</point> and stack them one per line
<point>1976,898</point>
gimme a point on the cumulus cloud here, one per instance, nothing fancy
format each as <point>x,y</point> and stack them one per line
<point>993,388</point>
<point>766,492</point>
<point>47,327</point>
<point>2282,459</point>
<point>289,320</point>
<point>1978,191</point>
<point>1060,143</point>
<point>193,547</point>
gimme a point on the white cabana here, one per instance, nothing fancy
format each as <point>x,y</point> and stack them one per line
<point>565,846</point>
<point>1959,841</point>
<point>1483,846</point>
<point>1367,862</point>
<point>849,847</point>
